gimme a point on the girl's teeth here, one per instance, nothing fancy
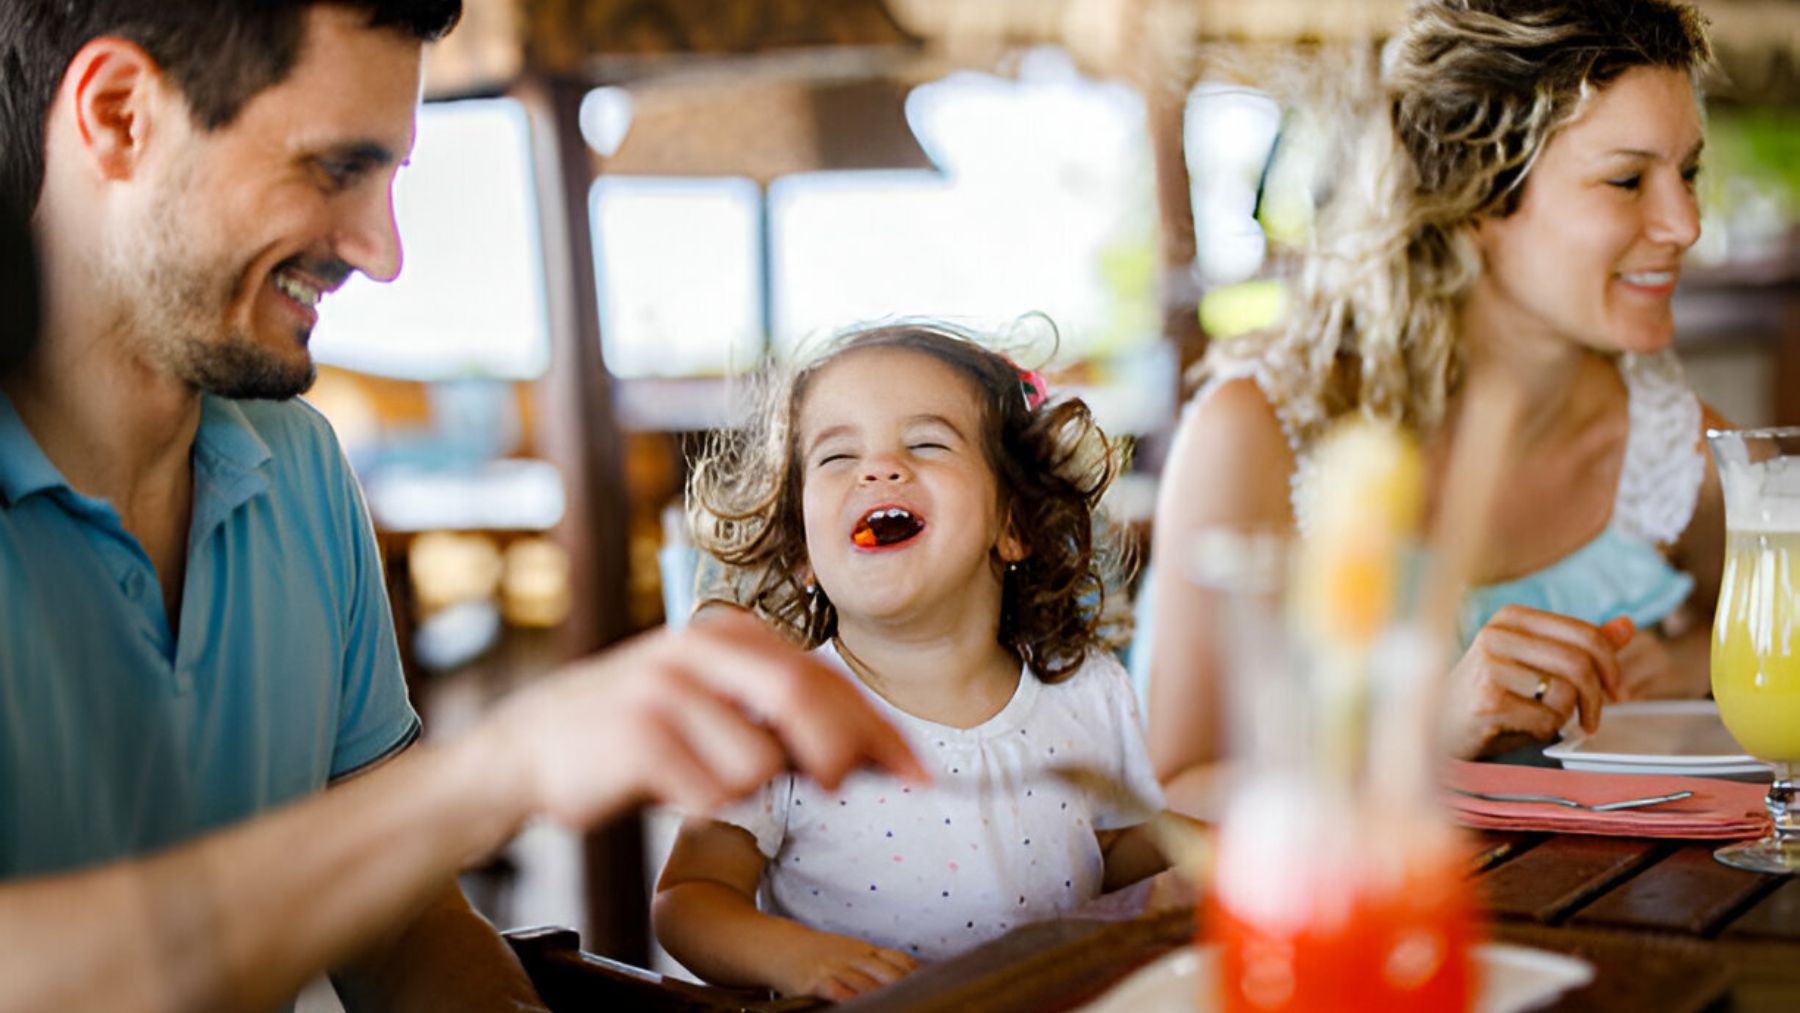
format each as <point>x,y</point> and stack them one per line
<point>1650,279</point>
<point>885,527</point>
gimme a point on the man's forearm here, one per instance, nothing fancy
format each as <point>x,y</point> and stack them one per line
<point>446,958</point>
<point>244,917</point>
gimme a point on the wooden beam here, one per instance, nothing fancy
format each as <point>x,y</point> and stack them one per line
<point>562,35</point>
<point>581,436</point>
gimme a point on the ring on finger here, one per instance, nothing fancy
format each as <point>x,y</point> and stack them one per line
<point>1543,687</point>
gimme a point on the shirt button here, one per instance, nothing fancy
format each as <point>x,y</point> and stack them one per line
<point>134,585</point>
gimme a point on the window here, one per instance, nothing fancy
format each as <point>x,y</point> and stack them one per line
<point>470,300</point>
<point>678,265</point>
<point>1229,135</point>
<point>1044,203</point>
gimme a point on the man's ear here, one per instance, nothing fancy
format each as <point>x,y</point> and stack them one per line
<point>113,91</point>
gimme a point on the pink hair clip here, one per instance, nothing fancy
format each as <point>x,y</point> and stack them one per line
<point>1032,385</point>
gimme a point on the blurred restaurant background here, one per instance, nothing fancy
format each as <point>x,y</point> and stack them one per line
<point>618,207</point>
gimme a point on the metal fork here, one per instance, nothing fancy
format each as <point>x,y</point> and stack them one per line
<point>1182,840</point>
<point>1603,807</point>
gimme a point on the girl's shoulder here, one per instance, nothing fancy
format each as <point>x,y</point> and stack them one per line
<point>1096,665</point>
<point>1099,678</point>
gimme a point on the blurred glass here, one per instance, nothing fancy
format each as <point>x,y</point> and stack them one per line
<point>1338,884</point>
<point>1756,627</point>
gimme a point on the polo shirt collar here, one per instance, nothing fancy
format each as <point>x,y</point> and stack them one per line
<point>226,447</point>
<point>227,443</point>
<point>24,470</point>
<point>228,463</point>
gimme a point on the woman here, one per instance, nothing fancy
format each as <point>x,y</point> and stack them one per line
<point>1523,215</point>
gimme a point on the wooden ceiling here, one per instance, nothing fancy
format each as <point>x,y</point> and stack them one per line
<point>573,36</point>
<point>1758,40</point>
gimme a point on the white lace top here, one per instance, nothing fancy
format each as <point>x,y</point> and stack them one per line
<point>1664,466</point>
<point>1660,482</point>
<point>1622,571</point>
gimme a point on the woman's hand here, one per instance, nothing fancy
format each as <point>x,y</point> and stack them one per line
<point>1648,669</point>
<point>1528,670</point>
<point>1672,662</point>
<point>839,967</point>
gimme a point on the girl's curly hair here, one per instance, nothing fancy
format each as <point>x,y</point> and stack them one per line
<point>1051,465</point>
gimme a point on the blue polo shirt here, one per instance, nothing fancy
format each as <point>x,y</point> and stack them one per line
<point>119,734</point>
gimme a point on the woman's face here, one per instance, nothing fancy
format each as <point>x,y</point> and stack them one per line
<point>1594,250</point>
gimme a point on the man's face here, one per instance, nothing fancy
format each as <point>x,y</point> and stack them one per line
<point>242,230</point>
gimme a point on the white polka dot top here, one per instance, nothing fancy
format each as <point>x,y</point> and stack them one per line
<point>997,840</point>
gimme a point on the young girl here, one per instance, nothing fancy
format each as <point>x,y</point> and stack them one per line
<point>912,507</point>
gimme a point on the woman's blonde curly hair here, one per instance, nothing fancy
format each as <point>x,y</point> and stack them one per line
<point>1051,465</point>
<point>1475,91</point>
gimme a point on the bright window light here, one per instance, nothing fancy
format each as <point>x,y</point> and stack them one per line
<point>1230,134</point>
<point>679,274</point>
<point>470,300</point>
<point>1045,205</point>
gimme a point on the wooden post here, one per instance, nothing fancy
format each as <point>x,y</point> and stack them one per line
<point>580,434</point>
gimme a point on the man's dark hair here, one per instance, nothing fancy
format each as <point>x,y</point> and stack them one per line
<point>221,53</point>
<point>18,291</point>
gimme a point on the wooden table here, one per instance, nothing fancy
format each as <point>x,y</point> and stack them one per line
<point>1666,927</point>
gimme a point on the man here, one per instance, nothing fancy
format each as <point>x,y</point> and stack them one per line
<point>193,632</point>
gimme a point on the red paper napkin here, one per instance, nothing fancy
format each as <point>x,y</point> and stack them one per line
<point>1718,810</point>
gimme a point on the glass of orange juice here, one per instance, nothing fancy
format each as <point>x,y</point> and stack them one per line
<point>1756,629</point>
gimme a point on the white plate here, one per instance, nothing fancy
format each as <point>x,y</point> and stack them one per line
<point>1513,979</point>
<point>1516,978</point>
<point>1656,737</point>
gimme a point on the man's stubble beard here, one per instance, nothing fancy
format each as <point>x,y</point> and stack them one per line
<point>178,304</point>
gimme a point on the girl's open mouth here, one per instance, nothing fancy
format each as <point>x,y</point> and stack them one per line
<point>885,526</point>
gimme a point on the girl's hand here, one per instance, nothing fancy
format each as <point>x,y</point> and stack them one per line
<point>1168,890</point>
<point>839,967</point>
<point>1528,671</point>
